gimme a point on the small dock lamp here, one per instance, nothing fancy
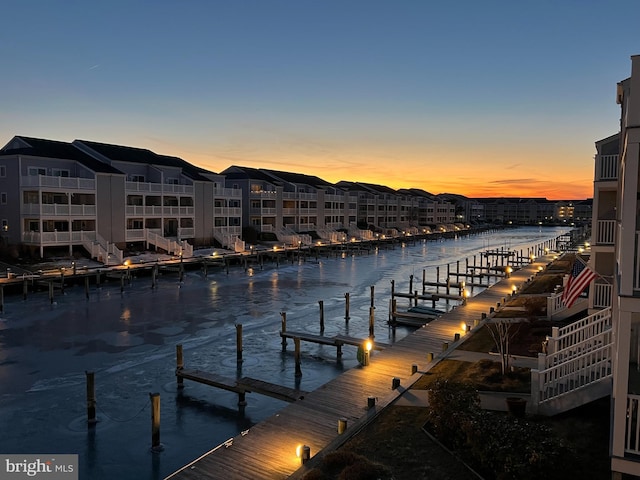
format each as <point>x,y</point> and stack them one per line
<point>367,352</point>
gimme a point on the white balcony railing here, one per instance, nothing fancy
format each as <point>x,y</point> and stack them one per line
<point>227,212</point>
<point>602,295</point>
<point>606,167</point>
<point>606,232</point>
<point>58,210</point>
<point>158,188</point>
<point>66,183</point>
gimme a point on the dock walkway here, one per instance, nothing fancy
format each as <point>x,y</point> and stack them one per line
<point>268,450</point>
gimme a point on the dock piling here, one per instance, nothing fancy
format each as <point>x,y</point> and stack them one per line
<point>296,342</point>
<point>91,398</point>
<point>239,343</point>
<point>179,366</point>
<point>283,330</point>
<point>155,422</point>
<point>321,304</point>
<point>346,307</point>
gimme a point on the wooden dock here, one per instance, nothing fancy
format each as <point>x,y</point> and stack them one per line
<point>242,385</point>
<point>335,341</point>
<point>267,451</point>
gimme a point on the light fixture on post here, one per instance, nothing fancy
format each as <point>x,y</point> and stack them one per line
<point>367,352</point>
<point>303,452</point>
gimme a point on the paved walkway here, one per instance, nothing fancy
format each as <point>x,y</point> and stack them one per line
<point>355,398</point>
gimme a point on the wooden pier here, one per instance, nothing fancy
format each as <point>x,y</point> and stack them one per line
<point>268,450</point>
<point>240,386</point>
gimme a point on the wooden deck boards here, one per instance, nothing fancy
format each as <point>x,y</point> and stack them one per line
<point>267,451</point>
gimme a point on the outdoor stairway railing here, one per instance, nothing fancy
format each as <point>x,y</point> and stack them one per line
<point>169,245</point>
<point>577,356</point>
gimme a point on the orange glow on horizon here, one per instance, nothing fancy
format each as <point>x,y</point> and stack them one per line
<point>475,175</point>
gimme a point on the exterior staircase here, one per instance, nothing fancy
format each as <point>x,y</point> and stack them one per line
<point>229,241</point>
<point>171,246</point>
<point>101,250</point>
<point>577,366</point>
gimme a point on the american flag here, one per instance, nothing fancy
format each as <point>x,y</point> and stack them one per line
<point>581,276</point>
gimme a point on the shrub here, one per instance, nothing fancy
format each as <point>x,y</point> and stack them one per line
<point>501,445</point>
<point>346,465</point>
<point>451,406</point>
<point>512,448</point>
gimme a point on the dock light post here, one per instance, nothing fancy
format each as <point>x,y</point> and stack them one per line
<point>367,352</point>
<point>303,452</point>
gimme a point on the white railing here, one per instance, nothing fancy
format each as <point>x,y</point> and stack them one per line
<point>168,244</point>
<point>359,234</point>
<point>227,192</point>
<point>98,248</point>
<point>58,209</point>
<point>577,355</point>
<point>227,211</point>
<point>290,237</point>
<point>229,240</point>
<point>187,232</point>
<point>331,235</point>
<point>158,187</point>
<point>605,232</point>
<point>602,295</point>
<point>135,234</point>
<point>158,210</point>
<point>632,433</point>
<point>606,167</point>
<point>68,183</point>
<point>264,194</point>
<point>555,305</point>
<point>564,340</point>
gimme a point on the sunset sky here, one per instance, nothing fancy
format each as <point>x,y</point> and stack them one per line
<point>481,98</point>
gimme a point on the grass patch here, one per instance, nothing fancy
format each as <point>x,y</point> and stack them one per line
<point>484,375</point>
<point>545,283</point>
<point>396,440</point>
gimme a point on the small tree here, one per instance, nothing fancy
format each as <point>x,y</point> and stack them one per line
<point>502,331</point>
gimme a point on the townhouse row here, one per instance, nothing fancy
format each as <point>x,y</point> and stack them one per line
<point>59,196</point>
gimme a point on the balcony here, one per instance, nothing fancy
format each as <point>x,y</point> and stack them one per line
<point>602,294</point>
<point>263,194</point>
<point>605,232</point>
<point>158,211</point>
<point>227,212</point>
<point>158,188</point>
<point>64,183</point>
<point>55,238</point>
<point>606,168</point>
<point>57,209</point>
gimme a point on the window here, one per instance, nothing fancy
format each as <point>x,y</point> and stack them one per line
<point>172,181</point>
<point>3,171</point>
<point>3,198</point>
<point>5,225</point>
<point>136,178</point>
<point>59,172</point>
<point>37,171</point>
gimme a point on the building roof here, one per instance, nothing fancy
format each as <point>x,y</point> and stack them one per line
<point>123,153</point>
<point>299,178</point>
<point>236,172</point>
<point>40,147</point>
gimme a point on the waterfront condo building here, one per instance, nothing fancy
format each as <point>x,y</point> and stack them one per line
<point>57,196</point>
<point>625,268</point>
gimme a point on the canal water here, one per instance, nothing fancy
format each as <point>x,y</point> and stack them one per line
<point>129,339</point>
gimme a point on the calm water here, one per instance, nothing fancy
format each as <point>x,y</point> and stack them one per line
<point>129,340</point>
